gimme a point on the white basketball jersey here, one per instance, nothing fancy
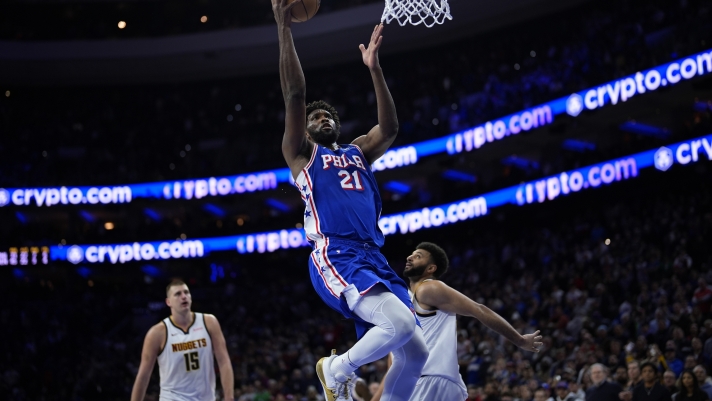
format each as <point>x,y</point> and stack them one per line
<point>186,363</point>
<point>440,331</point>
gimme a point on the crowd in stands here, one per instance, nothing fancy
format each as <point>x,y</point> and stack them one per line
<point>81,20</point>
<point>616,277</point>
<point>110,135</point>
<point>620,278</point>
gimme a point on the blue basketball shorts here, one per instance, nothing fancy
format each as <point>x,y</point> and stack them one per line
<point>342,271</point>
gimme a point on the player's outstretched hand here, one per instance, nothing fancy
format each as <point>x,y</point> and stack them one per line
<point>531,342</point>
<point>283,11</point>
<point>370,53</point>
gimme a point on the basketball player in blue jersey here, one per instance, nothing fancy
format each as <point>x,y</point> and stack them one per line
<point>341,222</point>
<point>184,345</point>
<point>437,305</point>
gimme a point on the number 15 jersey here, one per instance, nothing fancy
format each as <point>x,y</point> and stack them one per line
<point>341,196</point>
<point>185,365</point>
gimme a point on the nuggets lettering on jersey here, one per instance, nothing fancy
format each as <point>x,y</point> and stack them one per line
<point>341,196</point>
<point>186,366</point>
<point>200,343</point>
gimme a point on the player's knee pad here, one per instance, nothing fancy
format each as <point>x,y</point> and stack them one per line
<point>382,308</point>
<point>417,349</point>
<point>414,352</point>
<point>397,320</point>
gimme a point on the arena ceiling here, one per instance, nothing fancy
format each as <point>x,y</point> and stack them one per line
<point>247,51</point>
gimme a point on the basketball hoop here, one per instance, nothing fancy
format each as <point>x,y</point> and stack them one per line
<point>416,12</point>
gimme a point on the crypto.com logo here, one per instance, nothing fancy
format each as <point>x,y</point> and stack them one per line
<point>663,159</point>
<point>75,254</point>
<point>574,105</point>
<point>4,197</point>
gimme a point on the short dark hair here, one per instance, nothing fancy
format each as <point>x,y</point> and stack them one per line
<point>650,365</point>
<point>322,105</point>
<point>437,256</point>
<point>174,283</point>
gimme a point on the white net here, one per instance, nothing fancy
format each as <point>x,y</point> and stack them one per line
<point>416,12</point>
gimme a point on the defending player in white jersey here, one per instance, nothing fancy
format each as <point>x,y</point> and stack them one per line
<point>184,344</point>
<point>437,305</point>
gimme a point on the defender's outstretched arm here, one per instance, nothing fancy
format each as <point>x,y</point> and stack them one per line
<point>380,138</point>
<point>294,143</point>
<point>444,297</point>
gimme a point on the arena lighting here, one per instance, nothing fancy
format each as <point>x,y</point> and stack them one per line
<point>538,191</point>
<point>645,129</point>
<point>21,217</point>
<point>87,216</point>
<point>455,175</point>
<point>152,214</point>
<point>108,226</point>
<point>520,162</point>
<point>214,210</point>
<point>611,93</point>
<point>703,105</point>
<point>576,145</point>
<point>278,205</point>
<point>397,187</point>
<point>122,24</point>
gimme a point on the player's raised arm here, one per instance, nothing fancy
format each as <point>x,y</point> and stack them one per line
<point>440,295</point>
<point>227,379</point>
<point>152,344</point>
<point>377,141</point>
<point>294,143</point>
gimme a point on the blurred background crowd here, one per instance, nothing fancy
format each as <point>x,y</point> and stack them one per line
<point>616,280</point>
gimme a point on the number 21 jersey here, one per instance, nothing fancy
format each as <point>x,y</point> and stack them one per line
<point>341,196</point>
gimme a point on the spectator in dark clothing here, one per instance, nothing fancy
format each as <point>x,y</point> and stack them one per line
<point>704,381</point>
<point>669,379</point>
<point>675,364</point>
<point>542,394</point>
<point>563,393</point>
<point>633,380</point>
<point>650,389</point>
<point>602,389</point>
<point>689,388</point>
<point>702,298</point>
<point>297,384</point>
<point>491,392</point>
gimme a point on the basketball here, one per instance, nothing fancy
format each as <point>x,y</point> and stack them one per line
<point>305,11</point>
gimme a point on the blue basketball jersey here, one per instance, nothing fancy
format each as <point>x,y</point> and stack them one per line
<point>341,196</point>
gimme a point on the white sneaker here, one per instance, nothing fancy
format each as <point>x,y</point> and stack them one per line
<point>345,386</point>
<point>335,388</point>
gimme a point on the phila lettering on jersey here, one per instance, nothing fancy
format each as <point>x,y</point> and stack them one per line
<point>440,332</point>
<point>185,364</point>
<point>341,196</point>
